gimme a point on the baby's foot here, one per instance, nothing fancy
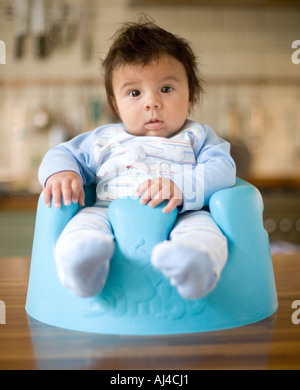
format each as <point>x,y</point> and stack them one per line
<point>83,263</point>
<point>191,271</point>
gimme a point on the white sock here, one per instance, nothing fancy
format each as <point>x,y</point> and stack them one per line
<point>190,270</point>
<point>83,261</point>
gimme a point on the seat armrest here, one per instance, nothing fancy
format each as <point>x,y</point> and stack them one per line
<point>52,220</point>
<point>238,212</point>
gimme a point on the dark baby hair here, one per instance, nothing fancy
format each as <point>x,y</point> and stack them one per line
<point>143,42</point>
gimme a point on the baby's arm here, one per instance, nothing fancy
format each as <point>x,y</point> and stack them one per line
<point>157,190</point>
<point>66,184</point>
<point>193,186</point>
<point>214,170</point>
<point>66,168</point>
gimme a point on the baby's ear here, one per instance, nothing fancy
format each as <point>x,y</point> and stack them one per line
<point>114,103</point>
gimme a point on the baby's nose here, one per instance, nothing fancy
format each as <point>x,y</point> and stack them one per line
<point>152,101</point>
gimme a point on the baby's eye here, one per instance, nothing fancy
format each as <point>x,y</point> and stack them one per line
<point>166,89</point>
<point>134,93</point>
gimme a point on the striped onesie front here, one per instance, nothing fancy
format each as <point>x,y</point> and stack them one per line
<point>194,158</point>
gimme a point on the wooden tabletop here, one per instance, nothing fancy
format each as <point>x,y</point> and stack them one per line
<point>28,344</point>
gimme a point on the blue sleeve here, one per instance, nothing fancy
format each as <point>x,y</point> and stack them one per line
<point>75,155</point>
<point>214,170</point>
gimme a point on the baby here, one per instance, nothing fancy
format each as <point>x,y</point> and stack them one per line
<point>155,154</point>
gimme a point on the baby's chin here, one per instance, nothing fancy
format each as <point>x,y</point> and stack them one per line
<point>164,132</point>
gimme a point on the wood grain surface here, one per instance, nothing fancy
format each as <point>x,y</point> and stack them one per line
<point>25,343</point>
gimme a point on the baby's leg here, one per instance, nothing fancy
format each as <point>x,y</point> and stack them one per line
<point>195,255</point>
<point>83,252</point>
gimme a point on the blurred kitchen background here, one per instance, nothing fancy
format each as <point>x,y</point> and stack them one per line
<point>51,90</point>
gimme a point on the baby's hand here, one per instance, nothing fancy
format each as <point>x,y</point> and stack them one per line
<point>157,190</point>
<point>66,184</point>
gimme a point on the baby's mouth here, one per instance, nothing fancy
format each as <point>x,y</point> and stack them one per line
<point>154,124</point>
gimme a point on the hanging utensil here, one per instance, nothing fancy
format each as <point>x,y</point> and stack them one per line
<point>21,8</point>
<point>72,24</point>
<point>55,21</point>
<point>38,27</point>
<point>87,27</point>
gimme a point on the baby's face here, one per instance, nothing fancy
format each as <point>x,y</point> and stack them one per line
<point>152,100</point>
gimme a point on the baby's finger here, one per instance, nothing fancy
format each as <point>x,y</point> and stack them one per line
<point>78,194</point>
<point>66,194</point>
<point>56,194</point>
<point>172,204</point>
<point>143,187</point>
<point>76,188</point>
<point>156,201</point>
<point>151,192</point>
<point>47,196</point>
<point>82,198</point>
<point>160,196</point>
<point>163,194</point>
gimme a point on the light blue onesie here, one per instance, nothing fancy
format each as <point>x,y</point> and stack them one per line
<point>195,159</point>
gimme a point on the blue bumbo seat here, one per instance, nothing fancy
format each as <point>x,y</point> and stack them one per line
<point>137,299</point>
